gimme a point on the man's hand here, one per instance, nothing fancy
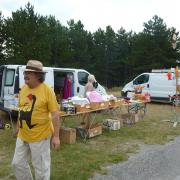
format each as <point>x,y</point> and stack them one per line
<point>55,143</point>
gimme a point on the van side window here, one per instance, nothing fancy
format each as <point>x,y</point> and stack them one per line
<point>83,78</point>
<point>141,79</point>
<point>9,77</point>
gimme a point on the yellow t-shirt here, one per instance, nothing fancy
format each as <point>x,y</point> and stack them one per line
<point>35,106</point>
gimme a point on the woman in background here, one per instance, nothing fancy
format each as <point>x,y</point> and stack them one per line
<point>91,85</point>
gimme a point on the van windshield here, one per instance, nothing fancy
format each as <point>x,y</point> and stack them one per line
<point>144,78</point>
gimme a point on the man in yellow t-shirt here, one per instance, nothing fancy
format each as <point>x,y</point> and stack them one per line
<point>38,121</point>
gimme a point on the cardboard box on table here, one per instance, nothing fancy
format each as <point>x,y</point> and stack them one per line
<point>115,103</point>
<point>99,105</point>
<point>82,108</point>
<point>67,135</point>
<point>95,105</point>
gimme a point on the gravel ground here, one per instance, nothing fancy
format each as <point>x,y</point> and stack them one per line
<point>153,162</point>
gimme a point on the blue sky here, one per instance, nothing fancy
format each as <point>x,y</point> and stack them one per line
<point>94,14</point>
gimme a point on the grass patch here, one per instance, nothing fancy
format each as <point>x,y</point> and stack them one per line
<point>83,159</point>
<point>116,91</point>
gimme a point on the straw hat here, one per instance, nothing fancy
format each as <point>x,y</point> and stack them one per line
<point>34,66</point>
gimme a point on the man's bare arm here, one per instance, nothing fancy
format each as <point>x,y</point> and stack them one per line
<point>56,125</point>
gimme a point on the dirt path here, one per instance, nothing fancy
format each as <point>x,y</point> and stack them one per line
<point>153,162</point>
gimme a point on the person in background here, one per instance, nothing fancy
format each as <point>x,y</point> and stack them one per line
<point>67,92</point>
<point>91,84</point>
<point>38,123</point>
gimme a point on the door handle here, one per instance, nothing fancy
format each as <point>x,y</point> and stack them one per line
<point>77,89</point>
<point>147,85</point>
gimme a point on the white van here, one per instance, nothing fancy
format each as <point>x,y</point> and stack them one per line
<point>155,83</point>
<point>12,79</point>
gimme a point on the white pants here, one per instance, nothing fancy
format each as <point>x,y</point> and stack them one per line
<point>41,160</point>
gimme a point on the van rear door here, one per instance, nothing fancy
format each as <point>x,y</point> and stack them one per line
<point>2,80</point>
<point>9,95</point>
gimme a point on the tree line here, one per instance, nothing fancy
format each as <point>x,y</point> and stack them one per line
<point>113,57</point>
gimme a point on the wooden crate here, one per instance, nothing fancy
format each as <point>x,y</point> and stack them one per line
<point>67,135</point>
<point>89,132</point>
<point>94,131</point>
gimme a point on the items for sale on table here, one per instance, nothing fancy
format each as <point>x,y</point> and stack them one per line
<point>130,95</point>
<point>82,108</point>
<point>119,102</point>
<point>112,124</point>
<point>111,103</point>
<point>109,97</point>
<point>138,89</point>
<point>78,104</point>
<point>68,107</point>
<point>67,135</point>
<point>139,97</point>
<point>94,96</point>
<point>142,97</point>
<point>79,100</point>
<point>147,96</point>
<point>104,105</point>
<point>61,113</point>
<point>116,103</point>
<point>95,105</point>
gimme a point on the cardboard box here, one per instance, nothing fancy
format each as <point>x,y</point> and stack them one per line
<point>130,118</point>
<point>94,131</point>
<point>111,124</point>
<point>67,135</point>
<point>89,132</point>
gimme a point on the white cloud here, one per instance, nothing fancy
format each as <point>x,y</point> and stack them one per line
<point>129,14</point>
